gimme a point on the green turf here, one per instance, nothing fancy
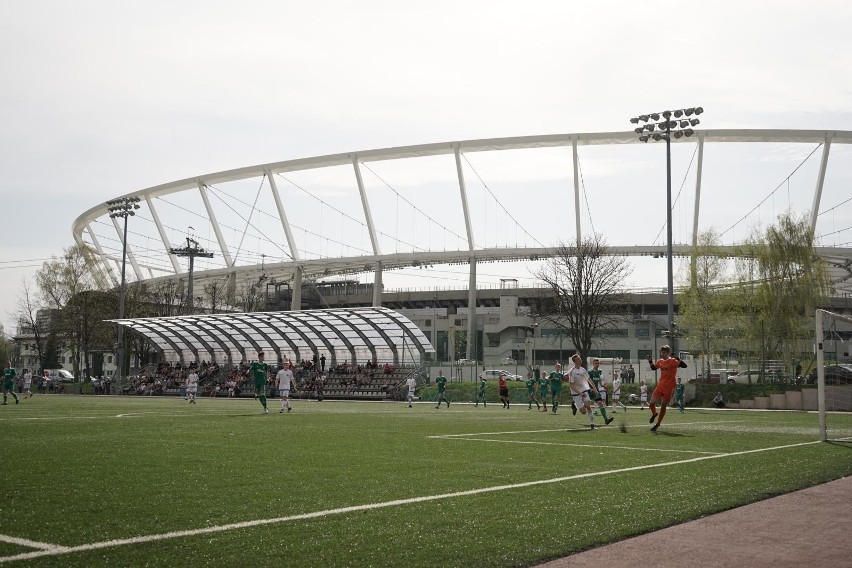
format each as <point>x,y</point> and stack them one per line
<point>83,470</point>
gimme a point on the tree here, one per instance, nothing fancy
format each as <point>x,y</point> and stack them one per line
<point>29,305</point>
<point>782,281</point>
<point>217,293</point>
<point>586,290</point>
<point>704,305</point>
<point>60,281</point>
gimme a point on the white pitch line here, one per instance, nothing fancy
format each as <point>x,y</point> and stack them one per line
<point>371,506</point>
<point>604,446</point>
<point>31,543</point>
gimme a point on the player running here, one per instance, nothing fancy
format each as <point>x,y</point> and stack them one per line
<point>679,394</point>
<point>259,371</point>
<point>504,391</point>
<point>543,384</point>
<point>584,391</point>
<point>411,382</point>
<point>556,378</point>
<point>643,392</point>
<point>285,380</point>
<point>531,397</point>
<point>481,394</point>
<point>28,381</point>
<point>9,375</point>
<point>616,393</point>
<point>662,394</point>
<point>192,384</point>
<point>441,381</point>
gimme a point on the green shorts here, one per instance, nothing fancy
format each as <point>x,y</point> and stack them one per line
<point>260,387</point>
<point>555,391</point>
<point>8,385</point>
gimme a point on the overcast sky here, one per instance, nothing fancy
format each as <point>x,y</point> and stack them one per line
<point>100,98</point>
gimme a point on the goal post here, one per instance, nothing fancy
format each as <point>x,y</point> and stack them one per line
<point>820,362</point>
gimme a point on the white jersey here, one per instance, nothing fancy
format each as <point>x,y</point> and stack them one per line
<point>579,380</point>
<point>28,380</point>
<point>192,382</point>
<point>412,384</point>
<point>643,392</point>
<point>616,387</point>
<point>284,376</point>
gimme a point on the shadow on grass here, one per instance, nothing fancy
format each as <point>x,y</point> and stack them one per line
<point>671,434</point>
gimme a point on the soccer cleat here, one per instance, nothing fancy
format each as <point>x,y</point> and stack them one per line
<point>409,405</point>
<point>608,420</point>
<point>592,426</point>
<point>289,408</point>
<point>448,403</point>
<point>574,410</point>
<point>439,406</point>
<point>654,427</point>
<point>17,400</point>
<point>281,411</point>
<point>266,411</point>
<point>653,417</point>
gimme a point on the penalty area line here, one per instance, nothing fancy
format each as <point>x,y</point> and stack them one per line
<point>596,446</point>
<point>31,543</point>
<point>371,506</point>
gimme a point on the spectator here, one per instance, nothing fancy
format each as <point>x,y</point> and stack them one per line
<point>719,400</point>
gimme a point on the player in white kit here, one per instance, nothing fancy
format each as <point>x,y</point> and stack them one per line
<point>616,393</point>
<point>192,385</point>
<point>412,386</point>
<point>285,379</point>
<point>643,394</point>
<point>28,381</point>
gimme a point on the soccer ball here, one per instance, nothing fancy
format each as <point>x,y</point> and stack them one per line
<point>632,399</point>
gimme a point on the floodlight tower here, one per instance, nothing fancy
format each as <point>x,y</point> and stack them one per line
<point>124,208</point>
<point>677,124</point>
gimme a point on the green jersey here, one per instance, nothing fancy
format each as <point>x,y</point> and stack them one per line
<point>481,387</point>
<point>542,384</point>
<point>556,379</point>
<point>258,371</point>
<point>9,375</point>
<point>441,381</point>
<point>679,392</point>
<point>596,377</point>
<point>531,385</point>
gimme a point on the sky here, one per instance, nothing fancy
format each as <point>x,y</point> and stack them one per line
<point>101,98</point>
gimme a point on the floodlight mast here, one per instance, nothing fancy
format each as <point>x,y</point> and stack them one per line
<point>672,125</point>
<point>191,250</point>
<point>124,207</point>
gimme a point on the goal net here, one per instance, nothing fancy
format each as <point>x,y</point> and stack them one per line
<point>834,385</point>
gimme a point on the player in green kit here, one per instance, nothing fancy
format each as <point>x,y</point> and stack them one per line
<point>679,394</point>
<point>531,384</point>
<point>543,383</point>
<point>441,381</point>
<point>259,370</point>
<point>556,385</point>
<point>481,395</point>
<point>595,374</point>
<point>9,375</point>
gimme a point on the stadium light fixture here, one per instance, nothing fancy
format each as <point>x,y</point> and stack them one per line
<point>124,207</point>
<point>634,120</point>
<point>667,129</point>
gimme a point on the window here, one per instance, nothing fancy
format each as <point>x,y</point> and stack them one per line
<point>611,332</point>
<point>643,332</point>
<point>109,358</point>
<point>458,322</point>
<point>427,323</point>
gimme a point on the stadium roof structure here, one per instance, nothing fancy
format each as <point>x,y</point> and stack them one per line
<point>351,335</point>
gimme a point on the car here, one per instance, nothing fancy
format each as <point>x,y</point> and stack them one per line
<point>494,374</point>
<point>461,362</point>
<point>507,361</point>
<point>834,374</point>
<point>60,375</point>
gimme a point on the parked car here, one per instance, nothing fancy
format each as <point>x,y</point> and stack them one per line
<point>61,375</point>
<point>494,374</point>
<point>461,362</point>
<point>507,361</point>
<point>834,375</point>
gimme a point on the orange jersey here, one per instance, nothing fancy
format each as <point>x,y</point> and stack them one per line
<point>668,370</point>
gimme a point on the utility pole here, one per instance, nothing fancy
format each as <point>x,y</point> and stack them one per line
<point>191,250</point>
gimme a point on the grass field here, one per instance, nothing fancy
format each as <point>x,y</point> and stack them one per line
<point>108,481</point>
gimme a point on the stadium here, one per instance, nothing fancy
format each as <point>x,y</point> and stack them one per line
<point>385,256</point>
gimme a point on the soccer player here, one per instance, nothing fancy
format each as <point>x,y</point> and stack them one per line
<point>412,386</point>
<point>556,377</point>
<point>504,391</point>
<point>616,393</point>
<point>259,371</point>
<point>595,374</point>
<point>543,383</point>
<point>9,375</point>
<point>662,394</point>
<point>583,390</point>
<point>643,392</point>
<point>531,397</point>
<point>679,394</point>
<point>481,394</point>
<point>28,381</point>
<point>441,381</point>
<point>191,384</point>
<point>285,379</point>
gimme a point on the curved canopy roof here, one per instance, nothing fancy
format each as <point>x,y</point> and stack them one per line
<point>351,334</point>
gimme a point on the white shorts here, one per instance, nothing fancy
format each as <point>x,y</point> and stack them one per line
<point>581,399</point>
<point>284,393</point>
<point>616,395</point>
<point>643,398</point>
<point>411,393</point>
<point>27,385</point>
<point>193,389</point>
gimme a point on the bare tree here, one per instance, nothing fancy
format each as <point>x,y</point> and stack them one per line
<point>27,313</point>
<point>586,290</point>
<point>217,293</point>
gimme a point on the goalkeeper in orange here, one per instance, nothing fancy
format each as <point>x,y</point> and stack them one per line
<point>668,367</point>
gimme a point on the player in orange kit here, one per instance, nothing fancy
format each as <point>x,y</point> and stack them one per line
<point>662,394</point>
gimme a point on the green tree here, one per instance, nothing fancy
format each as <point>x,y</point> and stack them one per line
<point>704,306</point>
<point>782,281</point>
<point>586,290</point>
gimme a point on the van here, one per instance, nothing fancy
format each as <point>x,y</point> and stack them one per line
<point>60,375</point>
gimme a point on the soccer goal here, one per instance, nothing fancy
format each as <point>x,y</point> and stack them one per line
<point>837,394</point>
